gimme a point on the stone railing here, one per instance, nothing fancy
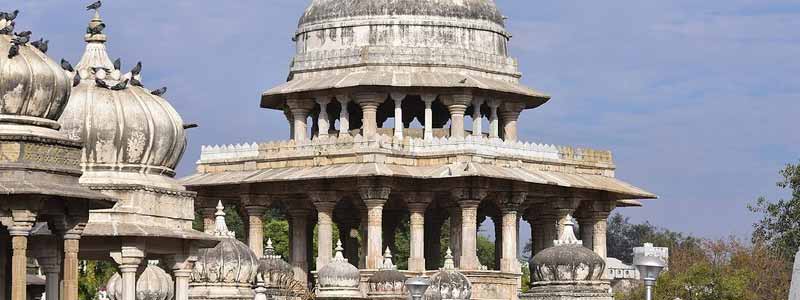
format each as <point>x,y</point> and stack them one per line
<point>409,146</point>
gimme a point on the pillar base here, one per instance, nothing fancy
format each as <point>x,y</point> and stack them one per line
<point>569,290</point>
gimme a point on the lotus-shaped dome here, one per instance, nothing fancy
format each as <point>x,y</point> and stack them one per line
<point>153,283</point>
<point>126,129</point>
<point>231,262</point>
<point>271,268</point>
<point>568,260</point>
<point>388,280</point>
<point>325,10</point>
<point>339,279</point>
<point>449,283</point>
<point>34,89</point>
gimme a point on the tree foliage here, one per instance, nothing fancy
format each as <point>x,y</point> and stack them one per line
<point>779,226</point>
<point>92,277</point>
<point>623,236</point>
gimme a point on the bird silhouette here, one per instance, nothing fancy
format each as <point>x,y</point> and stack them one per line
<point>41,44</point>
<point>137,69</point>
<point>159,92</point>
<point>9,16</point>
<point>8,29</point>
<point>66,65</point>
<point>101,83</point>
<point>76,80</point>
<point>118,64</point>
<point>13,51</point>
<point>95,30</point>
<point>22,40</point>
<point>463,81</point>
<point>136,82</point>
<point>94,6</point>
<point>190,126</point>
<point>26,33</point>
<point>120,86</point>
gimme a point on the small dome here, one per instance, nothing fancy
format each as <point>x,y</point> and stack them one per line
<point>271,268</point>
<point>325,10</point>
<point>230,262</point>
<point>34,89</point>
<point>151,284</point>
<point>125,128</point>
<point>388,280</point>
<point>449,283</point>
<point>339,273</point>
<point>568,260</point>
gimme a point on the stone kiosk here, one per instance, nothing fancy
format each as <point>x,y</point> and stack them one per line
<point>436,71</point>
<point>43,209</point>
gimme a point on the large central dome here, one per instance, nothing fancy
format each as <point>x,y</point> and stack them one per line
<point>321,10</point>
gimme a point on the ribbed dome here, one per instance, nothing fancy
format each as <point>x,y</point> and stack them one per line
<point>388,280</point>
<point>271,268</point>
<point>568,260</point>
<point>230,262</point>
<point>339,273</point>
<point>152,284</point>
<point>449,283</point>
<point>34,89</point>
<point>323,10</point>
<point>128,130</point>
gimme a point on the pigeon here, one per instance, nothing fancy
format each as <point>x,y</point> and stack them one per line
<point>120,86</point>
<point>137,69</point>
<point>190,126</point>
<point>76,80</point>
<point>94,6</point>
<point>9,29</point>
<point>159,92</point>
<point>463,81</point>
<point>26,33</point>
<point>66,65</point>
<point>136,82</point>
<point>101,83</point>
<point>22,40</point>
<point>118,64</point>
<point>41,44</point>
<point>9,16</point>
<point>13,51</point>
<point>97,29</point>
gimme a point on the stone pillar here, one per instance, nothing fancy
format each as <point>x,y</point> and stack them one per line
<point>428,99</point>
<point>455,234</point>
<point>19,231</point>
<point>344,115</point>
<point>509,112</point>
<point>208,218</point>
<point>182,271</point>
<point>457,105</point>
<point>374,196</point>
<point>70,280</point>
<point>255,235</point>
<point>593,220</point>
<point>129,259</point>
<point>364,226</point>
<point>290,118</point>
<point>509,205</point>
<point>300,109</point>
<point>469,234</point>
<point>477,117</point>
<point>324,202</point>
<point>369,103</point>
<point>398,114</point>
<point>417,207</point>
<point>323,120</point>
<point>494,121</point>
<point>51,267</point>
<point>299,244</point>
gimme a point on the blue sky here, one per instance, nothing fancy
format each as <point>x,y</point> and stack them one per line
<point>699,100</point>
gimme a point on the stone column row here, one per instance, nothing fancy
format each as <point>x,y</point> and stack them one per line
<point>592,216</point>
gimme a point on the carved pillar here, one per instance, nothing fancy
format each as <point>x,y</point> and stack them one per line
<point>398,114</point>
<point>255,236</point>
<point>509,112</point>
<point>428,99</point>
<point>369,103</point>
<point>324,202</point>
<point>457,105</point>
<point>344,115</point>
<point>323,120</point>
<point>129,259</point>
<point>510,204</point>
<point>455,234</point>
<point>477,118</point>
<point>182,271</point>
<point>593,220</point>
<point>290,118</point>
<point>300,109</point>
<point>469,199</point>
<point>19,231</point>
<point>374,196</point>
<point>299,218</point>
<point>417,204</point>
<point>51,267</point>
<point>494,121</point>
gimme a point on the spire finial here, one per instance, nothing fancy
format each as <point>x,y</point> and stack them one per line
<point>449,264</point>
<point>269,251</point>
<point>387,261</point>
<point>568,234</point>
<point>339,256</point>
<point>94,31</point>
<point>220,228</point>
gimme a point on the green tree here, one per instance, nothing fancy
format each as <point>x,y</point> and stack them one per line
<point>92,277</point>
<point>486,252</point>
<point>779,226</point>
<point>623,236</point>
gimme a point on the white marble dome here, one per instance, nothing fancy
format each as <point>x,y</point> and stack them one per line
<point>449,283</point>
<point>34,89</point>
<point>388,280</point>
<point>339,273</point>
<point>127,131</point>
<point>231,262</point>
<point>567,260</point>
<point>153,283</point>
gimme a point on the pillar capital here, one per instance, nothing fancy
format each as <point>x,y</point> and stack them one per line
<point>469,195</point>
<point>398,97</point>
<point>323,99</point>
<point>457,100</point>
<point>299,213</point>
<point>511,109</point>
<point>369,98</point>
<point>21,222</point>
<point>493,103</point>
<point>419,201</point>
<point>428,98</point>
<point>511,201</point>
<point>300,105</point>
<point>324,201</point>
<point>374,192</point>
<point>343,98</point>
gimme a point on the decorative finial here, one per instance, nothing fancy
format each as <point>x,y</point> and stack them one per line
<point>387,261</point>
<point>449,264</point>
<point>568,234</point>
<point>339,256</point>
<point>94,31</point>
<point>269,251</point>
<point>220,228</point>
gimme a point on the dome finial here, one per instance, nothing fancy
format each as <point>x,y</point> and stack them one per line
<point>568,234</point>
<point>449,264</point>
<point>387,261</point>
<point>269,251</point>
<point>220,228</point>
<point>339,256</point>
<point>95,56</point>
<point>94,31</point>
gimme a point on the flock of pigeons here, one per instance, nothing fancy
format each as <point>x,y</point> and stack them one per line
<point>24,38</point>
